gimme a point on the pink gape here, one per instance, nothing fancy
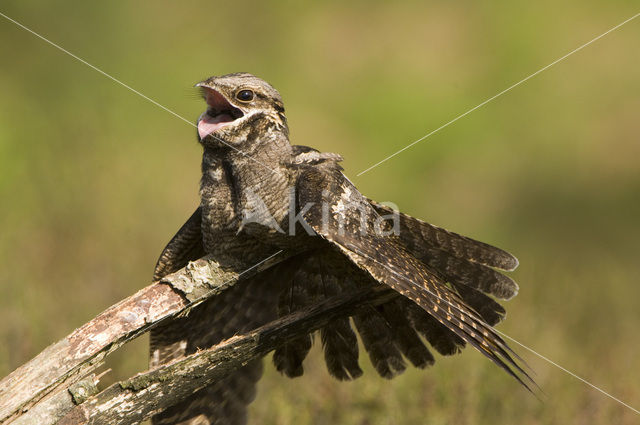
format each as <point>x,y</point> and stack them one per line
<point>209,124</point>
<point>216,116</point>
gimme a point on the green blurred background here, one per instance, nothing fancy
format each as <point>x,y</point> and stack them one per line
<point>94,180</point>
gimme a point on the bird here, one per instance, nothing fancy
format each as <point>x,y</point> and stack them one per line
<point>260,194</point>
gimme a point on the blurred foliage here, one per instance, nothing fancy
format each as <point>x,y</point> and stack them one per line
<point>94,179</point>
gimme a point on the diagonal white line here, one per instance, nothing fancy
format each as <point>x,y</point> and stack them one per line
<point>114,79</point>
<point>568,371</point>
<point>261,262</point>
<point>224,284</point>
<point>498,95</point>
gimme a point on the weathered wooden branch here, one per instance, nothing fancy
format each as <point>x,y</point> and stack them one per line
<point>57,404</point>
<point>147,393</point>
<point>48,376</point>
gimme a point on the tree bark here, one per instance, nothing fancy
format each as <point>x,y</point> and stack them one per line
<point>148,393</point>
<point>49,376</point>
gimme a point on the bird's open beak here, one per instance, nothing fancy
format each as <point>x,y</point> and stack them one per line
<point>219,113</point>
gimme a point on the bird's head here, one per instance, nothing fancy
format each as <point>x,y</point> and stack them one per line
<point>239,106</point>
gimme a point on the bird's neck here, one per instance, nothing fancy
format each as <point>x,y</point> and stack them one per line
<point>256,156</point>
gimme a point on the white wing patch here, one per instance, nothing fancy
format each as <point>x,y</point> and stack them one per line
<point>344,204</point>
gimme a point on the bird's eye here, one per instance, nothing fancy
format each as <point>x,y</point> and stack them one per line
<point>244,95</point>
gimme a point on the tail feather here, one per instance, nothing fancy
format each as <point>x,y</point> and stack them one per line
<point>406,337</point>
<point>341,350</point>
<point>378,341</point>
<point>339,341</point>
<point>288,357</point>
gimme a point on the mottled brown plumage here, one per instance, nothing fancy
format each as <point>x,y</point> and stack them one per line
<point>259,195</point>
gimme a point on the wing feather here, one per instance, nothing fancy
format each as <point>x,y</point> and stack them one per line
<point>185,246</point>
<point>342,216</point>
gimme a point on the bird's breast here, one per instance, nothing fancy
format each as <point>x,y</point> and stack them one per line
<point>244,207</point>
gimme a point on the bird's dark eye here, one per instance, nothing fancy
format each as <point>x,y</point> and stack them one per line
<point>244,95</point>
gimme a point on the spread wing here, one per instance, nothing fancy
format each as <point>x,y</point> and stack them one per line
<point>334,208</point>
